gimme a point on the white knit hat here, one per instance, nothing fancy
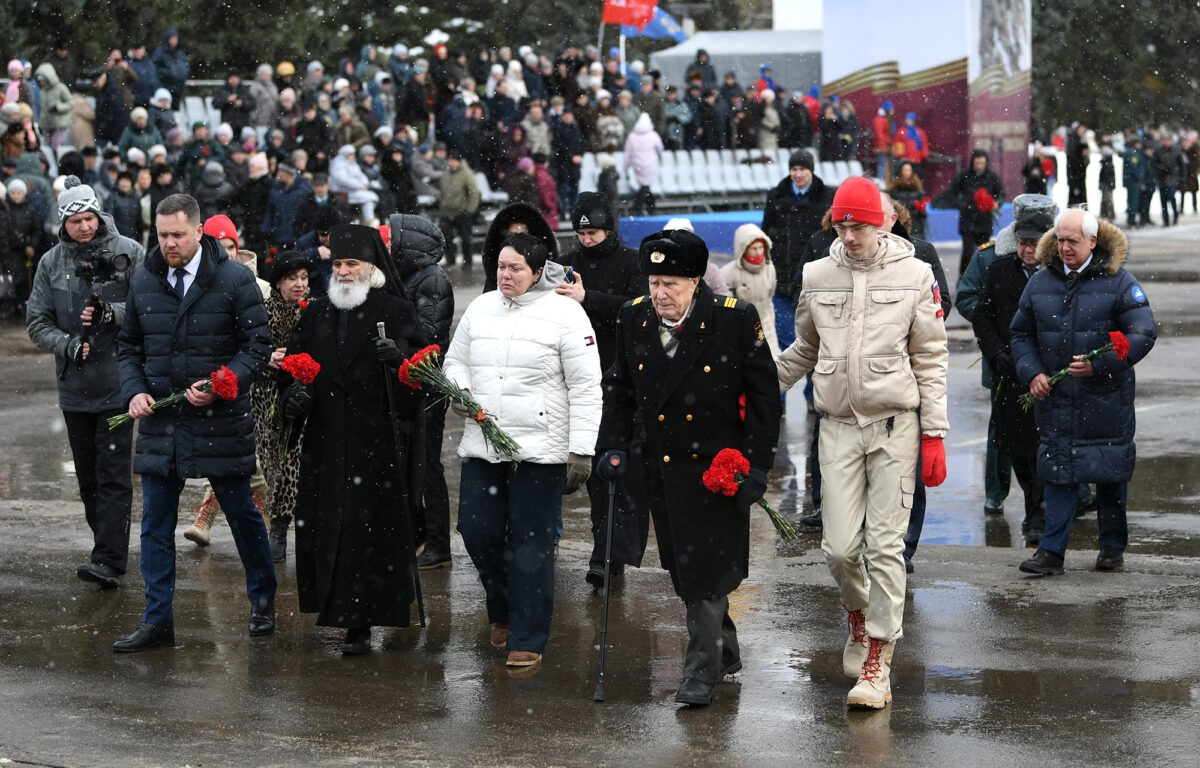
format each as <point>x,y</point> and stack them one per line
<point>77,197</point>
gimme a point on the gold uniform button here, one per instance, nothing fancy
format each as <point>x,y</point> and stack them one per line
<point>689,417</point>
<point>641,366</point>
<point>661,417</point>
<point>707,369</point>
<point>666,459</point>
<point>695,456</point>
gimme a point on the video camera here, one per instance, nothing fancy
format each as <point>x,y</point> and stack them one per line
<point>102,266</point>
<point>99,267</point>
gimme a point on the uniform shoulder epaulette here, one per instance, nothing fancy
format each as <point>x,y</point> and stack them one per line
<point>728,302</point>
<point>986,245</point>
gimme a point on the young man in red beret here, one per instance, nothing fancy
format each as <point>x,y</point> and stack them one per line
<point>869,327</point>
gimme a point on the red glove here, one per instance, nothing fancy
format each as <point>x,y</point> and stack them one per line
<point>933,461</point>
<point>922,205</point>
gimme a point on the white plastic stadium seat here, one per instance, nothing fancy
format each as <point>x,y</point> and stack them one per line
<point>687,183</point>
<point>746,177</point>
<point>667,181</point>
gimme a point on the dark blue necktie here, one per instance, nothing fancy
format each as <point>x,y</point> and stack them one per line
<point>179,284</point>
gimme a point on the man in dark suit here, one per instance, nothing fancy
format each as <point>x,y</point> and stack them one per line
<point>189,312</point>
<point>697,369</point>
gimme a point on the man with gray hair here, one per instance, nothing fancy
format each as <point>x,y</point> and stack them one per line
<point>74,312</point>
<point>1079,303</point>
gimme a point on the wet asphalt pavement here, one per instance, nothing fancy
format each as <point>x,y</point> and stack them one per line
<point>995,669</point>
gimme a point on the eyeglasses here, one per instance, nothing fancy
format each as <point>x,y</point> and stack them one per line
<point>856,229</point>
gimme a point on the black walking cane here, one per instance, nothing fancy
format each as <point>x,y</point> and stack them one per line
<point>617,465</point>
<point>406,521</point>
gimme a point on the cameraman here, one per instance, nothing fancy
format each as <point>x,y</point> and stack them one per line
<point>75,311</point>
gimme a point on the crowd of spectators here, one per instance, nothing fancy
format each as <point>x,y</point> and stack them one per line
<point>400,130</point>
<point>367,137</point>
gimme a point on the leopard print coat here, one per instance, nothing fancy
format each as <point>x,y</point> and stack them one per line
<point>281,469</point>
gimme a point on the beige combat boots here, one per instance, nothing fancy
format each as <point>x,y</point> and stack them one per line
<point>874,687</point>
<point>206,513</point>
<point>855,652</point>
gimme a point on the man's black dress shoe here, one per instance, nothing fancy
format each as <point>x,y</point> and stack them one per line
<point>357,642</point>
<point>812,521</point>
<point>1109,559</point>
<point>262,621</point>
<point>732,668</point>
<point>595,574</point>
<point>146,636</point>
<point>1043,563</point>
<point>694,692</point>
<point>100,573</point>
<point>430,561</point>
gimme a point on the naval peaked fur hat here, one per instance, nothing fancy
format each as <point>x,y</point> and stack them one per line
<point>674,252</point>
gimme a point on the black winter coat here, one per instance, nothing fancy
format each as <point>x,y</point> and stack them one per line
<point>612,275</point>
<point>1170,166</point>
<point>215,194</point>
<point>971,220</point>
<point>418,247</point>
<point>126,212</point>
<point>689,406</point>
<point>281,225</point>
<point>314,136</point>
<point>166,345</point>
<point>790,224</point>
<point>353,562</point>
<point>1086,424</point>
<point>999,297</point>
<point>568,141</point>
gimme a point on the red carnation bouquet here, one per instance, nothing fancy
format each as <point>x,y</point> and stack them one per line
<point>922,205</point>
<point>221,382</point>
<point>1117,342</point>
<point>984,202</point>
<point>303,369</point>
<point>423,368</point>
<point>727,471</point>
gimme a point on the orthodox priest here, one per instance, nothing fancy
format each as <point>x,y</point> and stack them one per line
<point>354,547</point>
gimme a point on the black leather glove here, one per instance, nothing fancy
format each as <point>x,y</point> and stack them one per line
<point>387,353</point>
<point>605,469</point>
<point>298,401</point>
<point>579,469</point>
<point>752,488</point>
<point>1003,366</point>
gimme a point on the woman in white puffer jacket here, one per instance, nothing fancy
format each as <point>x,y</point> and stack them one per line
<point>528,357</point>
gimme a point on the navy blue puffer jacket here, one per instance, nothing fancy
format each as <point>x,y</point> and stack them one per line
<point>1086,425</point>
<point>166,346</point>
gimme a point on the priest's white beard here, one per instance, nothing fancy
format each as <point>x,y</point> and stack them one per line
<point>349,294</point>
